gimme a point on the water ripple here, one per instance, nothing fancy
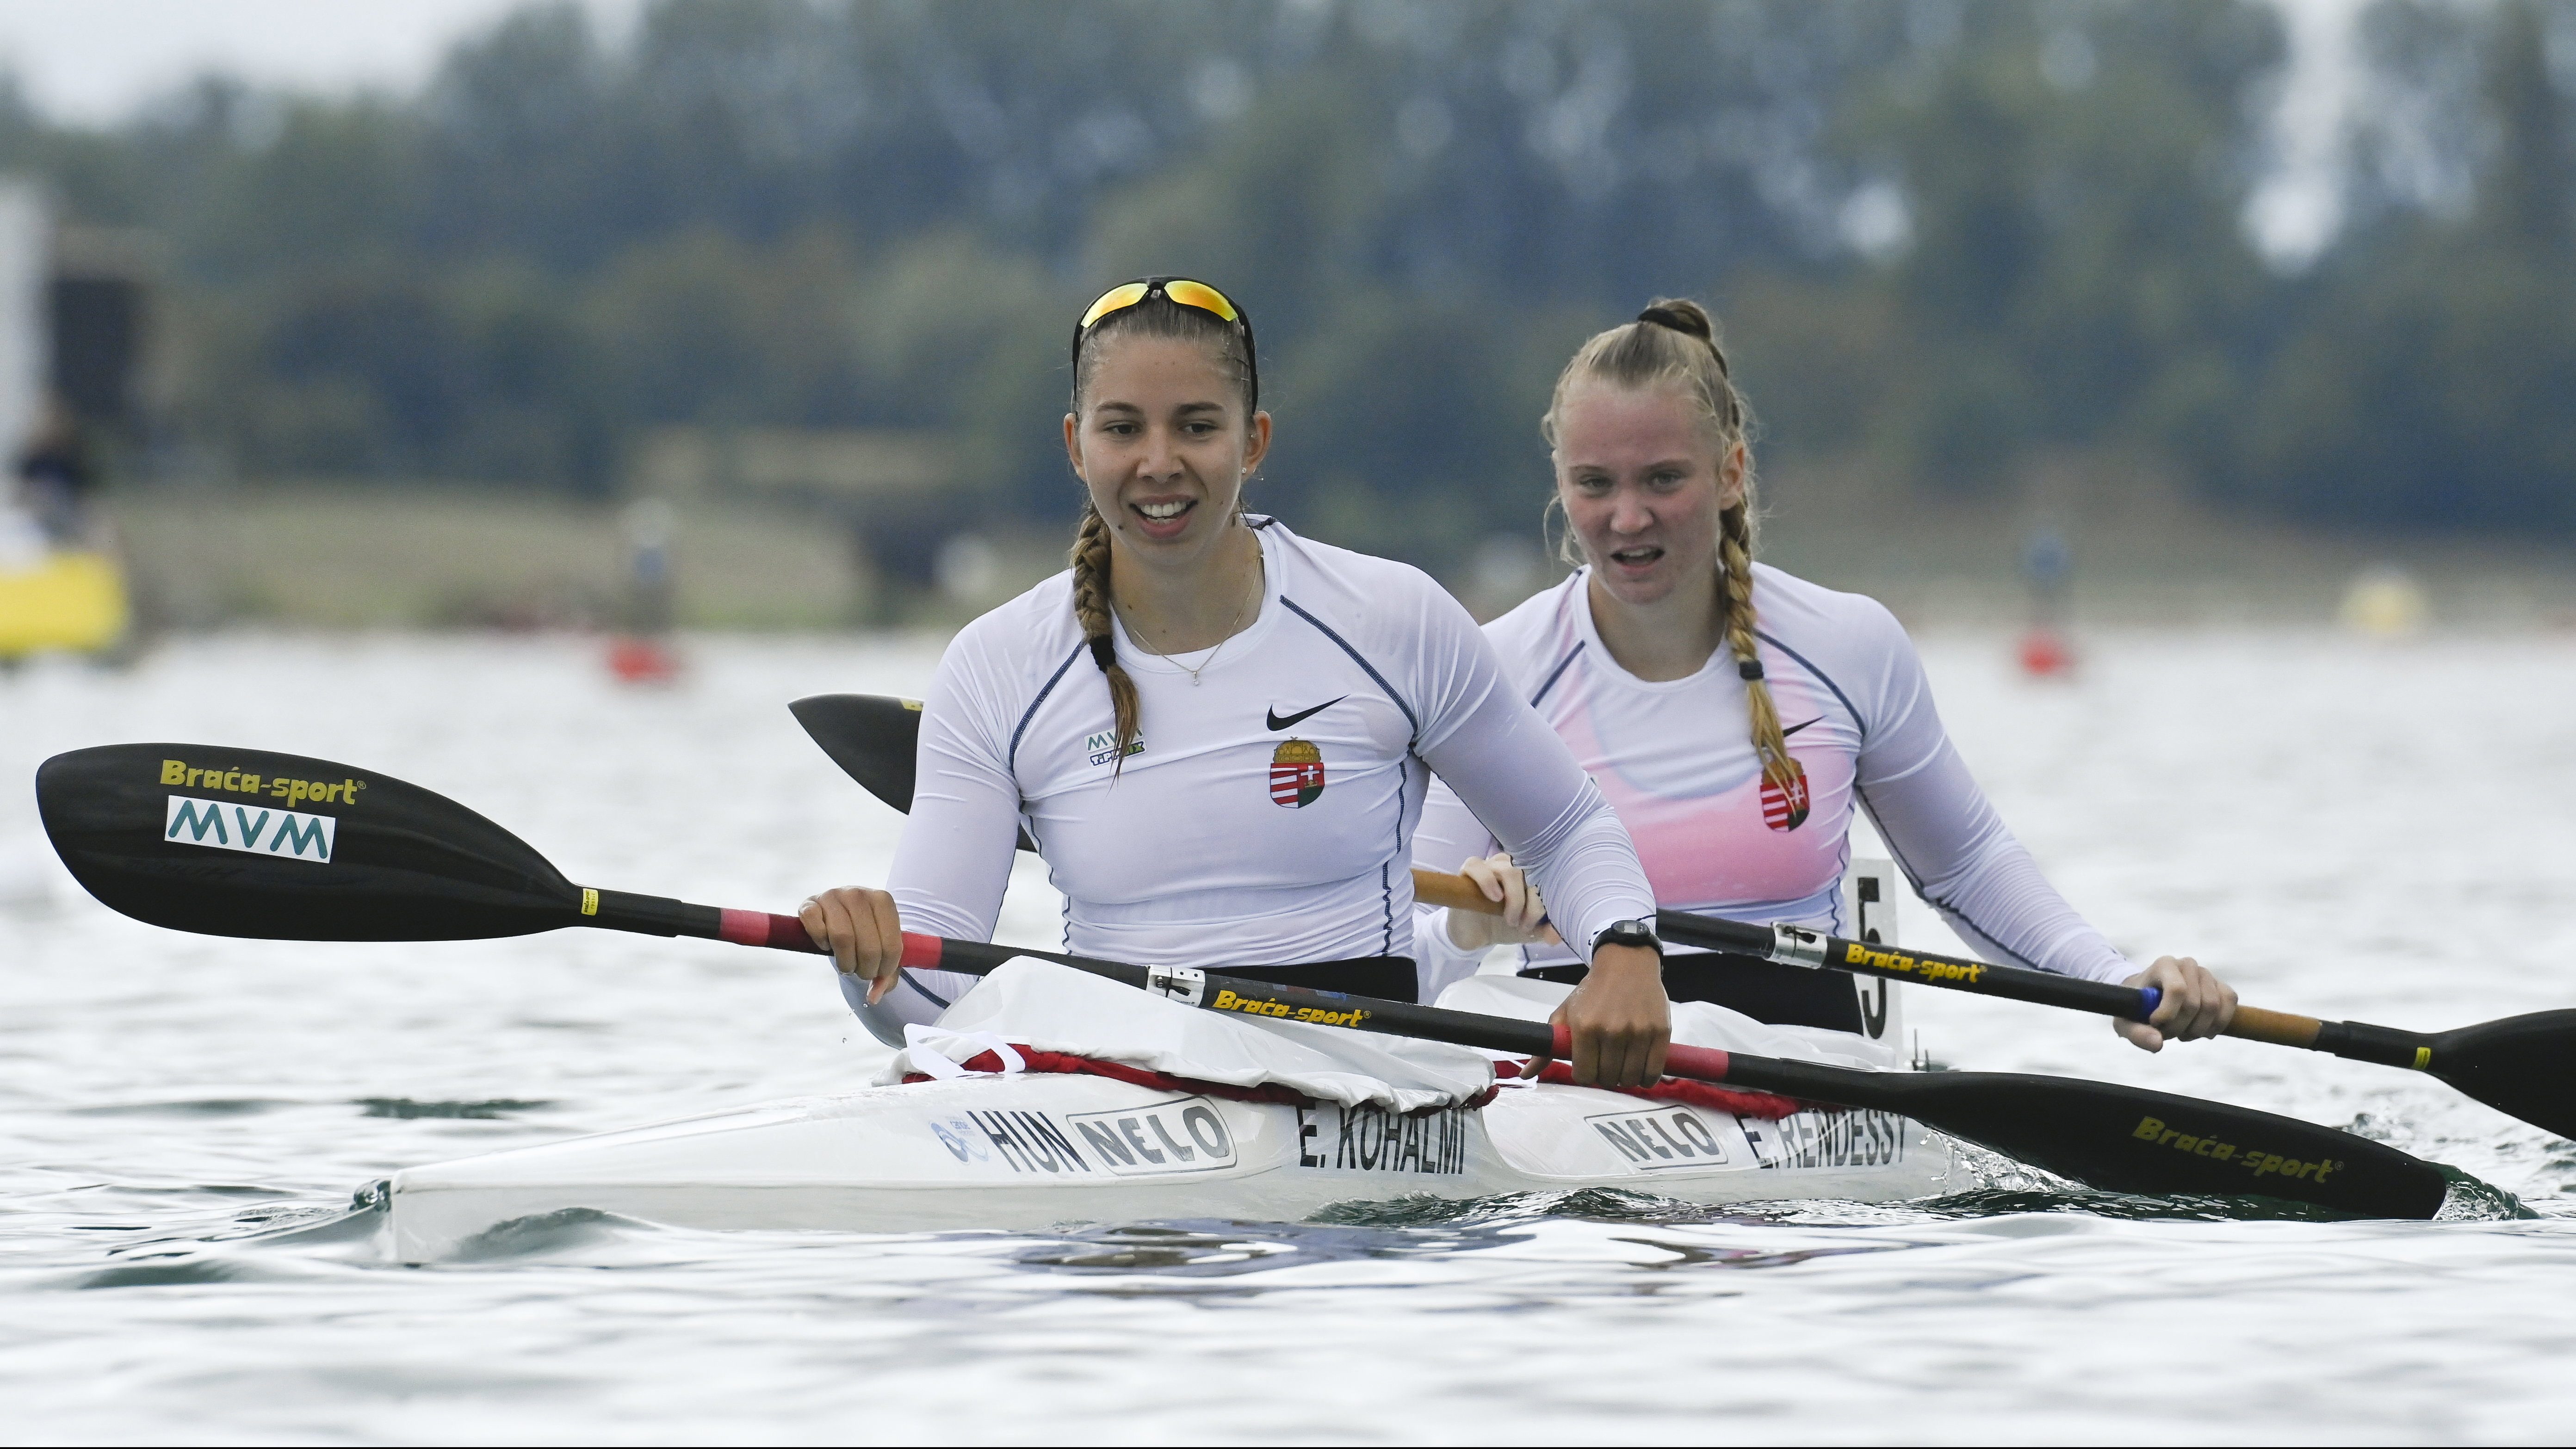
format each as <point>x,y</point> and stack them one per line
<point>194,1132</point>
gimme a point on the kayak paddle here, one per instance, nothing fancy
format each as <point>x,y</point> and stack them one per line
<point>2515,1064</point>
<point>251,843</point>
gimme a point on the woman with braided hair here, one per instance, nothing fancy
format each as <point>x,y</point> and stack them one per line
<point>1219,734</point>
<point>1667,631</point>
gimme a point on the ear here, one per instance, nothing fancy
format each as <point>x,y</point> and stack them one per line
<point>1072,444</point>
<point>1730,476</point>
<point>1256,443</point>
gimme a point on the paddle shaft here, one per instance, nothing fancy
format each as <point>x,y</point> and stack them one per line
<point>663,916</point>
<point>1796,946</point>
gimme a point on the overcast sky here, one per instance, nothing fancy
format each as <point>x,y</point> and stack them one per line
<point>96,61</point>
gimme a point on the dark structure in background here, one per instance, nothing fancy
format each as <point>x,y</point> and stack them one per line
<point>97,327</point>
<point>96,318</point>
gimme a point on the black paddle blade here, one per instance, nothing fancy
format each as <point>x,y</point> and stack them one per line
<point>227,842</point>
<point>873,738</point>
<point>2124,1139</point>
<point>2522,1065</point>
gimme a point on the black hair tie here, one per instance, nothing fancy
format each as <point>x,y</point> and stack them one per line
<point>1104,652</point>
<point>1667,317</point>
<point>1749,669</point>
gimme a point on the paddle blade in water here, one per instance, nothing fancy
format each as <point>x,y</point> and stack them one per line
<point>229,842</point>
<point>2124,1139</point>
<point>2523,1065</point>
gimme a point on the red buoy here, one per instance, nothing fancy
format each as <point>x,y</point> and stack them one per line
<point>2045,654</point>
<point>637,660</point>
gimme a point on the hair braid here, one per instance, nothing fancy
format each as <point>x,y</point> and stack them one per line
<point>1735,562</point>
<point>1091,611</point>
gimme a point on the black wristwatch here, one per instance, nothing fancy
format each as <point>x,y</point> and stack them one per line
<point>1630,933</point>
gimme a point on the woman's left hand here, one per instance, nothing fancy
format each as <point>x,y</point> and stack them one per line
<point>1524,914</point>
<point>2197,1004</point>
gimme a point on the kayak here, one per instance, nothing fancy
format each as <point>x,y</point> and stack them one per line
<point>1032,1150</point>
<point>70,600</point>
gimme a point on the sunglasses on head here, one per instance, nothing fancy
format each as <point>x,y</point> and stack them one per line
<point>1197,296</point>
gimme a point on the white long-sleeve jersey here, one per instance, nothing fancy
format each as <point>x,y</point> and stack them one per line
<point>1266,814</point>
<point>1676,760</point>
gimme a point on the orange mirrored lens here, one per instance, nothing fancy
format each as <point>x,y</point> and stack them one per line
<point>1115,298</point>
<point>1201,296</point>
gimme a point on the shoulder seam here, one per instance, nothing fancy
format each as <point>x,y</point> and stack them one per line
<point>1558,672</point>
<point>1828,680</point>
<point>1412,720</point>
<point>1011,761</point>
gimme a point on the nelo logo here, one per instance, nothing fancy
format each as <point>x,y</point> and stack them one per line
<point>1652,1141</point>
<point>1187,1135</point>
<point>217,825</point>
<point>1296,774</point>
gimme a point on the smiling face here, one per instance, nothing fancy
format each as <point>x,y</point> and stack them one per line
<point>1163,444</point>
<point>1643,482</point>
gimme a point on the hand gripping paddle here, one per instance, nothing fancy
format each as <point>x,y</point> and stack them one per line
<point>250,843</point>
<point>2519,1065</point>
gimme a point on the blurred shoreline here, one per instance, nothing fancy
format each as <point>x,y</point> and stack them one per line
<point>325,554</point>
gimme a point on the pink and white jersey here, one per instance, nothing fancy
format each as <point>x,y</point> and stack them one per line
<point>1675,759</point>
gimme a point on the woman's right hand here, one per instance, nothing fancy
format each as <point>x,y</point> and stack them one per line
<point>1524,916</point>
<point>859,927</point>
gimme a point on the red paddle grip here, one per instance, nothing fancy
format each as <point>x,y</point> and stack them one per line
<point>1706,1064</point>
<point>920,952</point>
<point>760,928</point>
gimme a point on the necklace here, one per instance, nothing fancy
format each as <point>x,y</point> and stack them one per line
<point>1230,626</point>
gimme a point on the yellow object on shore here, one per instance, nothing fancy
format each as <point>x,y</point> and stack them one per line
<point>2385,603</point>
<point>73,600</point>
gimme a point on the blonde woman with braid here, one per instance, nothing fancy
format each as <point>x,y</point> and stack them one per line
<point>1219,734</point>
<point>1737,717</point>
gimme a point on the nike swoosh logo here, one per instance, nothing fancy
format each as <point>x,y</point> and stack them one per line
<point>1793,729</point>
<point>1277,723</point>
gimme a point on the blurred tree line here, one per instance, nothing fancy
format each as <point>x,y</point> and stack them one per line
<point>1943,234</point>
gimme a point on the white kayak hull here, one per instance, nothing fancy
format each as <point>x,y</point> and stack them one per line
<point>1031,1151</point>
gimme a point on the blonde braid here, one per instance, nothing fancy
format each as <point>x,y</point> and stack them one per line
<point>1735,560</point>
<point>1091,611</point>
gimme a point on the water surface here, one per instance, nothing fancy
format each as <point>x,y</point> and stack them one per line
<point>2345,829</point>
